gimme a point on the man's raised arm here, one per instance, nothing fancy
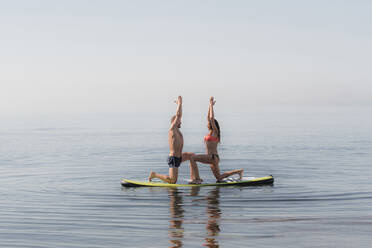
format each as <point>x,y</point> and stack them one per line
<point>178,111</point>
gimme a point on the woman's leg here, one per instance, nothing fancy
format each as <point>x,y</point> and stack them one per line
<point>214,164</point>
<point>208,159</point>
<point>233,172</point>
<point>194,171</point>
<point>216,172</point>
<point>195,178</point>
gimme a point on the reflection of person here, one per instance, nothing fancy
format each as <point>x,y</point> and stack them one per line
<point>176,157</point>
<point>214,215</point>
<point>176,218</point>
<point>211,142</point>
<point>176,231</point>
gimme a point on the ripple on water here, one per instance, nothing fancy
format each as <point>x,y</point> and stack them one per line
<point>61,188</point>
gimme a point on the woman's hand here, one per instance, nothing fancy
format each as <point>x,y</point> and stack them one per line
<point>212,101</point>
<point>179,100</point>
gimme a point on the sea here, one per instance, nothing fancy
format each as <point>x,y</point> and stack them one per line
<point>60,180</point>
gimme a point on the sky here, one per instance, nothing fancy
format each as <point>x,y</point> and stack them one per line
<point>60,57</point>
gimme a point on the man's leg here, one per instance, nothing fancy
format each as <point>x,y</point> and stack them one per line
<point>171,178</point>
<point>194,171</point>
<point>173,175</point>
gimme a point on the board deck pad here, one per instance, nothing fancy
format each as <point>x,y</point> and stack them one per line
<point>245,181</point>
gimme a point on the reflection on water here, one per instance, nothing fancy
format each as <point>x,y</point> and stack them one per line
<point>213,212</point>
<point>60,187</point>
<point>176,218</point>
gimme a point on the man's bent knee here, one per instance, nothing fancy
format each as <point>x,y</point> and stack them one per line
<point>187,156</point>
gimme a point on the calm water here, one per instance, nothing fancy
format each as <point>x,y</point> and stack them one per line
<point>60,182</point>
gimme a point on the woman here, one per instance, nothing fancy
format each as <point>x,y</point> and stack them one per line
<point>211,141</point>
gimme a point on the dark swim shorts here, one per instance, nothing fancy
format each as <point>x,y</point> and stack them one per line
<point>174,162</point>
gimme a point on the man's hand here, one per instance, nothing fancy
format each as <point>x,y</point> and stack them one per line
<point>179,100</point>
<point>212,101</point>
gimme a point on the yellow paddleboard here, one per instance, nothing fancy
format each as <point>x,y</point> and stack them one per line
<point>245,181</point>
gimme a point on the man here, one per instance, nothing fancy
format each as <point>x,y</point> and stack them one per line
<point>176,157</point>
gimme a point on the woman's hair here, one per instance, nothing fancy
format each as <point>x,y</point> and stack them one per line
<point>218,129</point>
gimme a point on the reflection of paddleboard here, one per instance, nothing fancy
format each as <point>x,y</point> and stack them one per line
<point>245,181</point>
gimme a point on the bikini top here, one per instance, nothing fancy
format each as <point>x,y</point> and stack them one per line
<point>210,138</point>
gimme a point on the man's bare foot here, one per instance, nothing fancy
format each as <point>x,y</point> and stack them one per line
<point>151,176</point>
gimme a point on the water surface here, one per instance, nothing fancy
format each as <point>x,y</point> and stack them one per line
<point>60,182</point>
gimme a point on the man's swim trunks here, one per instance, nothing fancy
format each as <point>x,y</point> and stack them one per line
<point>174,162</point>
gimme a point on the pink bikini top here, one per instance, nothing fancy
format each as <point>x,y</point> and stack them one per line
<point>210,138</point>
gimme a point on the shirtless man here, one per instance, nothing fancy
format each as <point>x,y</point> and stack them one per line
<point>176,157</point>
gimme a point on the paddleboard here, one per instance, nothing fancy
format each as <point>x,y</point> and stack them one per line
<point>245,181</point>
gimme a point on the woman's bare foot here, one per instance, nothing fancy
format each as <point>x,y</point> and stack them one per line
<point>196,181</point>
<point>151,176</point>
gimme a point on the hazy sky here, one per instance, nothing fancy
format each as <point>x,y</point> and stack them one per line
<point>86,56</point>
